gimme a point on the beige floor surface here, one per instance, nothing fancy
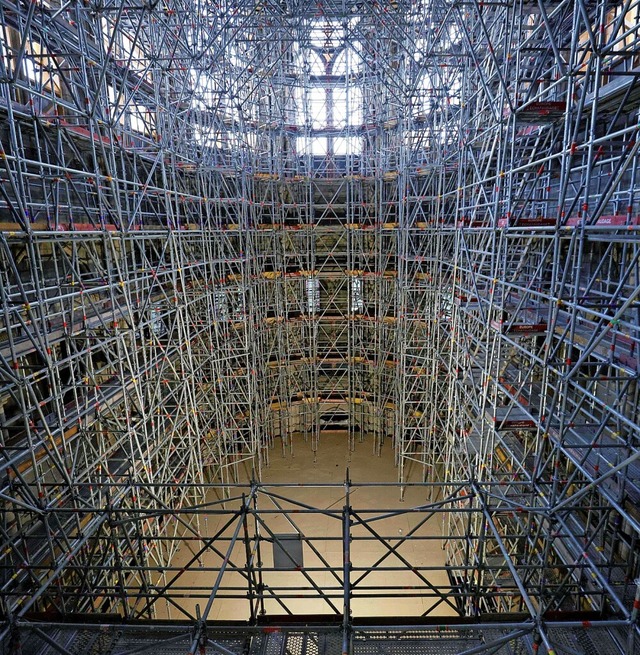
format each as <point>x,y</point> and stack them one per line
<point>376,547</point>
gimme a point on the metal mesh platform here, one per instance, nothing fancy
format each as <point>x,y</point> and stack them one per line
<point>297,643</point>
<point>111,640</point>
<point>319,639</point>
<point>436,641</point>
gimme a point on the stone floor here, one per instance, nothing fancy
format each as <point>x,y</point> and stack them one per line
<point>299,590</point>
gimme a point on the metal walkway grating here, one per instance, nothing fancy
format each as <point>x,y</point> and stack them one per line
<point>297,643</point>
<point>423,641</point>
<point>176,639</point>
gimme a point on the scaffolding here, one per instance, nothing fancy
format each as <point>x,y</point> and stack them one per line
<point>280,593</point>
<point>544,322</point>
<point>229,228</point>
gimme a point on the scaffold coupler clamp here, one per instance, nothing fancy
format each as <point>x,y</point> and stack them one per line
<point>200,632</point>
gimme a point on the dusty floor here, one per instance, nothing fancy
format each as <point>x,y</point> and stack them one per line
<point>382,561</point>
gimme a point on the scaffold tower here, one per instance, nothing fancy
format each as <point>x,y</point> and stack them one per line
<point>229,227</point>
